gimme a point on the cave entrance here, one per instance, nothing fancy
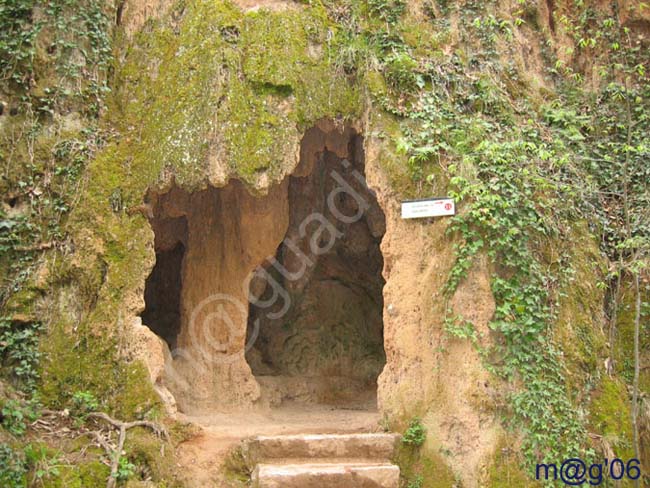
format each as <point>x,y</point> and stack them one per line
<point>265,300</point>
<point>322,343</point>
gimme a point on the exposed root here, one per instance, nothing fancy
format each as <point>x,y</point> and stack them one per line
<point>113,451</point>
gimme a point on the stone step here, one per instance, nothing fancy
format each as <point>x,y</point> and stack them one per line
<point>376,446</point>
<point>326,475</point>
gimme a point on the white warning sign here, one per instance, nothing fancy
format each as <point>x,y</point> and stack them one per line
<point>428,207</point>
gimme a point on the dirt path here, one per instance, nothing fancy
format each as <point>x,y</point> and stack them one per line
<point>200,458</point>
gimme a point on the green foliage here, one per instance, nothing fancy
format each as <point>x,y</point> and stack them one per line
<point>460,328</point>
<point>144,451</point>
<point>125,469</point>
<point>17,40</point>
<point>19,354</point>
<point>83,403</point>
<point>236,467</point>
<point>610,416</point>
<point>416,482</point>
<point>415,434</point>
<point>425,468</point>
<point>520,177</point>
<point>67,29</point>
<point>33,465</point>
<point>79,475</point>
<point>16,414</point>
<point>400,73</point>
<point>13,467</point>
<point>253,95</point>
<point>88,363</point>
<point>502,216</point>
<point>387,10</point>
<point>509,179</point>
<point>518,188</point>
<point>42,464</point>
<point>54,63</point>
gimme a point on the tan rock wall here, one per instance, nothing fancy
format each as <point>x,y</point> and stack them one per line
<point>427,373</point>
<point>229,232</point>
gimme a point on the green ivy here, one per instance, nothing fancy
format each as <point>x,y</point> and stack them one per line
<point>17,414</point>
<point>19,354</point>
<point>502,217</point>
<point>521,176</point>
<point>387,10</point>
<point>507,181</point>
<point>55,59</point>
<point>17,41</point>
<point>13,467</point>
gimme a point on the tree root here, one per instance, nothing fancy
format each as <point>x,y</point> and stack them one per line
<point>115,453</point>
<point>122,427</point>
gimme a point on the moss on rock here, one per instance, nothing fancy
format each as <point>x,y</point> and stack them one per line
<point>610,416</point>
<point>223,87</point>
<point>216,86</point>
<point>504,469</point>
<point>624,360</point>
<point>82,475</point>
<point>424,464</point>
<point>580,308</point>
<point>83,360</point>
<point>143,449</point>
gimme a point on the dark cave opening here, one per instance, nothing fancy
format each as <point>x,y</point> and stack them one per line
<point>327,345</point>
<point>162,295</point>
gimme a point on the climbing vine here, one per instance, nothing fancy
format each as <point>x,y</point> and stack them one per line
<point>509,185</point>
<point>54,64</point>
<point>524,172</point>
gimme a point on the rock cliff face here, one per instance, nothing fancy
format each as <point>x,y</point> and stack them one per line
<point>237,240</point>
<point>309,252</point>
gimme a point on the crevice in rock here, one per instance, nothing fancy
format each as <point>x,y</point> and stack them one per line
<point>550,4</point>
<point>163,294</point>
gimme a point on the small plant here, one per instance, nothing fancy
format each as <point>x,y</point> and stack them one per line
<point>42,465</point>
<point>125,469</point>
<point>13,468</point>
<point>387,10</point>
<point>83,403</point>
<point>416,434</point>
<point>416,482</point>
<point>400,71</point>
<point>16,414</point>
<point>236,466</point>
<point>19,347</point>
<point>462,329</point>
